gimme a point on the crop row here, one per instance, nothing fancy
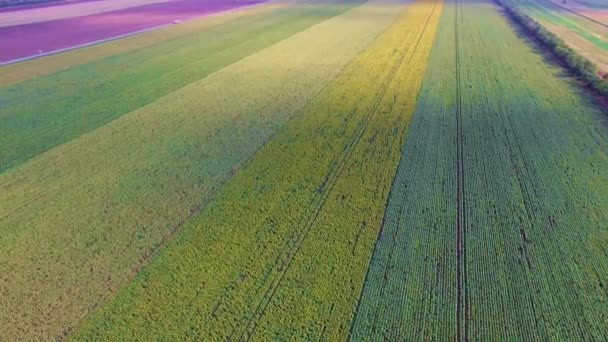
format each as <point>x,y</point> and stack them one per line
<point>536,217</point>
<point>282,252</point>
<point>77,220</point>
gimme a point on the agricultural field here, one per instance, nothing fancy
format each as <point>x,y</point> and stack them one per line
<point>15,3</point>
<point>148,183</point>
<point>56,10</point>
<point>52,29</point>
<point>594,9</point>
<point>16,72</point>
<point>301,170</point>
<point>329,168</point>
<point>583,26</point>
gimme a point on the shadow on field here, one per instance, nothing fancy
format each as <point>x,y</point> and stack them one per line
<point>559,69</point>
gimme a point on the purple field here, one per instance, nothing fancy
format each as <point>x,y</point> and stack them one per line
<point>27,40</point>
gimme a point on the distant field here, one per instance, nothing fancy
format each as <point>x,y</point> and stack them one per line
<point>315,170</point>
<point>35,14</point>
<point>585,30</point>
<point>16,3</point>
<point>18,72</point>
<point>596,10</point>
<point>42,36</point>
<point>597,4</point>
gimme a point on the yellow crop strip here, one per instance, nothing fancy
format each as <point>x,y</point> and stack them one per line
<point>332,261</point>
<point>282,252</point>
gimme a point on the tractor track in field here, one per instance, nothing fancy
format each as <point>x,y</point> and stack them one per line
<point>327,187</point>
<point>462,311</point>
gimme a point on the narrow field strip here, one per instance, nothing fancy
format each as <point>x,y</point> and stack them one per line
<point>281,253</point>
<point>526,152</point>
<point>80,46</point>
<point>42,113</point>
<point>578,14</point>
<point>78,220</point>
<point>595,10</point>
<point>349,211</point>
<point>410,290</point>
<point>546,11</point>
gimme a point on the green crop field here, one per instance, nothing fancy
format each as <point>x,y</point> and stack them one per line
<point>327,170</point>
<point>497,212</point>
